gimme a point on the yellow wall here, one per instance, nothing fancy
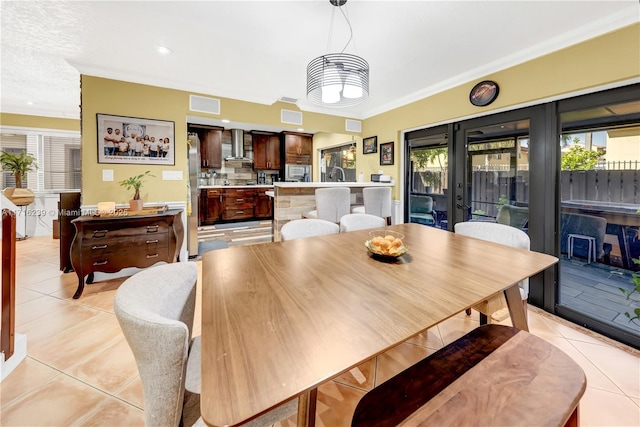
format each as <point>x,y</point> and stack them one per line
<point>613,57</point>
<point>120,98</point>
<point>20,120</point>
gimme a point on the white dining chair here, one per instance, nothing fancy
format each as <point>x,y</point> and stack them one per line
<point>377,201</point>
<point>155,309</point>
<point>505,235</point>
<point>331,204</point>
<point>360,221</point>
<point>299,228</point>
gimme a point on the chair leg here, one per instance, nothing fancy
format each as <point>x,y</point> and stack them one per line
<point>468,312</point>
<point>526,310</point>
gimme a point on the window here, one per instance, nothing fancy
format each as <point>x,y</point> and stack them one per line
<point>338,164</point>
<point>57,156</point>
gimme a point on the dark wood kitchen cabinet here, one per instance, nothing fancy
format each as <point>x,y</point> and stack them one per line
<point>263,205</point>
<point>266,151</point>
<point>210,206</point>
<point>238,204</point>
<point>210,145</point>
<point>298,148</point>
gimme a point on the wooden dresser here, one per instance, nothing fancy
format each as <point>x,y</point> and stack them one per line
<point>109,244</point>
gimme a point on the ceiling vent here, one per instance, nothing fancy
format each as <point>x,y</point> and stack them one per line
<point>353,125</point>
<point>291,117</point>
<point>204,105</point>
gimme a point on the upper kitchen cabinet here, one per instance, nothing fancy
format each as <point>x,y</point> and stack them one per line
<point>298,148</point>
<point>266,151</point>
<point>210,146</point>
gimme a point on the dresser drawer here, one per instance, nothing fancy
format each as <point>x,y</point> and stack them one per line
<point>136,244</point>
<point>113,262</point>
<point>109,231</point>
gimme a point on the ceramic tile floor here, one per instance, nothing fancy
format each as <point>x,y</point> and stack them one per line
<point>80,371</point>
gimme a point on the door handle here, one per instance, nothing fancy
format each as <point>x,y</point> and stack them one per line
<point>459,206</point>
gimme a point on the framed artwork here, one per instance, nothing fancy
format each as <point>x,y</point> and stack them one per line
<point>132,140</point>
<point>370,145</point>
<point>484,93</point>
<point>386,153</point>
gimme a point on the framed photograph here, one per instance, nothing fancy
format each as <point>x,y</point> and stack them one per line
<point>370,145</point>
<point>484,93</point>
<point>132,140</point>
<point>386,153</point>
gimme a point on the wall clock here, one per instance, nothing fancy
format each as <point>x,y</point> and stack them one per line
<point>484,93</point>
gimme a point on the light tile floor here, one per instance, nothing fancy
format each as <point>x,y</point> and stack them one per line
<point>80,371</point>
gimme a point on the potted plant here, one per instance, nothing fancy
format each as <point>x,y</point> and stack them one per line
<point>135,183</point>
<point>19,164</point>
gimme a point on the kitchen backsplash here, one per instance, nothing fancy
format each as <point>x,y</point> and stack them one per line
<point>237,172</point>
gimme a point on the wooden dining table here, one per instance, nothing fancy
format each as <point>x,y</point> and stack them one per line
<point>279,319</point>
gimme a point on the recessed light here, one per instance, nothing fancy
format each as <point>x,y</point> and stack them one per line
<point>30,103</point>
<point>225,121</point>
<point>163,50</point>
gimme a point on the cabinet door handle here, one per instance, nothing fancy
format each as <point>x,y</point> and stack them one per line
<point>221,198</point>
<point>99,247</point>
<point>239,212</point>
<point>152,241</point>
<point>239,200</point>
<point>152,228</point>
<point>152,256</point>
<point>101,262</point>
<point>101,233</point>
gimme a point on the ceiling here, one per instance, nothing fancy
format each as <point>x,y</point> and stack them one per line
<point>258,51</point>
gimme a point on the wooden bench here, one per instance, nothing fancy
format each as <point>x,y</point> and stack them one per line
<point>493,376</point>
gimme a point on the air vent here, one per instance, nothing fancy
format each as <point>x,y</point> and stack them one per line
<point>291,117</point>
<point>289,100</point>
<point>353,125</point>
<point>204,105</point>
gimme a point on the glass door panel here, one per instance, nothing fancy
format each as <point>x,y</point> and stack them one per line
<point>428,182</point>
<point>599,220</point>
<point>498,174</point>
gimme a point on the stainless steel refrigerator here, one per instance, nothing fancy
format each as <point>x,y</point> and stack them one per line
<point>194,188</point>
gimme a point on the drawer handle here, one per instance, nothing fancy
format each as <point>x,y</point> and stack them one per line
<point>152,228</point>
<point>152,256</point>
<point>239,200</point>
<point>152,241</point>
<point>101,262</point>
<point>101,232</point>
<point>99,247</point>
<point>239,212</point>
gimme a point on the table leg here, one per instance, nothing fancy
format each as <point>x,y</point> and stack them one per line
<point>516,308</point>
<point>307,408</point>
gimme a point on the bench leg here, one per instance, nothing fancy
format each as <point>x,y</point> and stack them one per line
<point>574,419</point>
<point>516,308</point>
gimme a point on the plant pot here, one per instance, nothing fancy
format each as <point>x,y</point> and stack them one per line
<point>19,196</point>
<point>136,205</point>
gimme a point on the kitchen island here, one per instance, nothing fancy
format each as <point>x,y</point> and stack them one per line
<point>293,199</point>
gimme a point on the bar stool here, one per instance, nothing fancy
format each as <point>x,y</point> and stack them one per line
<point>591,248</point>
<point>331,204</point>
<point>377,201</point>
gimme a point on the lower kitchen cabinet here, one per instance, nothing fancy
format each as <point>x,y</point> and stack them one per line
<point>210,206</point>
<point>263,206</point>
<point>238,204</point>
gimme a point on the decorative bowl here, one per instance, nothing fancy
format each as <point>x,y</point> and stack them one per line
<point>386,244</point>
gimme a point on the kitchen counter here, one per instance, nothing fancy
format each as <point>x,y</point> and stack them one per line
<point>291,200</point>
<point>236,186</point>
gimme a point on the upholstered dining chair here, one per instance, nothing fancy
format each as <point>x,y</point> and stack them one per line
<point>299,228</point>
<point>360,221</point>
<point>155,309</point>
<point>505,235</point>
<point>377,201</point>
<point>421,210</point>
<point>331,204</point>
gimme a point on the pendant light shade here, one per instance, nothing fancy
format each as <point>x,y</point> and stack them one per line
<point>337,80</point>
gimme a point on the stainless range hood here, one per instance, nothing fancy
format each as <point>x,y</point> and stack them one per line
<point>237,147</point>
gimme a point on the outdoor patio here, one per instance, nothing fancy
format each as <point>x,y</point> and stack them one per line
<point>593,289</point>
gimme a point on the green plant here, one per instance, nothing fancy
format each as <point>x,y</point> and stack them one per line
<point>636,289</point>
<point>579,158</point>
<point>18,164</point>
<point>135,183</point>
<point>502,200</point>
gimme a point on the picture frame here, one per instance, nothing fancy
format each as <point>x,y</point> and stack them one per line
<point>370,145</point>
<point>484,93</point>
<point>134,140</point>
<point>386,153</point>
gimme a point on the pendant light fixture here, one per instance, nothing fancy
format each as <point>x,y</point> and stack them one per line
<point>338,79</point>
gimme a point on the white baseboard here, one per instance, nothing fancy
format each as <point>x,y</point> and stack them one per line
<point>19,354</point>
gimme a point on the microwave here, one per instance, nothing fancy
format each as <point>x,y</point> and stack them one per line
<point>297,172</point>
